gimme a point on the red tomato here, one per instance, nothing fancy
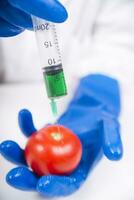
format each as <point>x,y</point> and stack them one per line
<point>53,150</point>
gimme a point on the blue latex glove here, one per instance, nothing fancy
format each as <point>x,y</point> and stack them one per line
<point>15,15</point>
<point>92,115</point>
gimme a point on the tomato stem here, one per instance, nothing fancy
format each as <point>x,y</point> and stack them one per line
<point>57,136</point>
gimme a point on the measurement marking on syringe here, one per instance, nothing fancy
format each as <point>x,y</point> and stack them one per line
<point>48,44</point>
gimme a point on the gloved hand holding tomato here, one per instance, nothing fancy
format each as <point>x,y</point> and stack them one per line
<point>92,115</point>
<point>53,150</point>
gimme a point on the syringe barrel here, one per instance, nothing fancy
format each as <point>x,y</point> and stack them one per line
<point>50,57</point>
<point>55,81</point>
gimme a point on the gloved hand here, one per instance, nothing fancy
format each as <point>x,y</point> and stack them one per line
<point>15,15</point>
<point>92,115</point>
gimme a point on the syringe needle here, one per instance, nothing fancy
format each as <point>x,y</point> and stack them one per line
<point>54,107</point>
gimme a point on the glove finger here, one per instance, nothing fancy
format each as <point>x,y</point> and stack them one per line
<point>12,152</point>
<point>51,10</point>
<point>56,186</point>
<point>8,30</point>
<point>26,122</point>
<point>22,178</point>
<point>14,16</point>
<point>112,145</point>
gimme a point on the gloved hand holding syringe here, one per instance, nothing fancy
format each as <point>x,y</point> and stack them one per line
<point>50,60</point>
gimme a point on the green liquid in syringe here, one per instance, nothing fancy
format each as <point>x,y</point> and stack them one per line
<point>55,85</point>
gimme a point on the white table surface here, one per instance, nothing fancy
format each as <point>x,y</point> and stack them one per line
<point>108,181</point>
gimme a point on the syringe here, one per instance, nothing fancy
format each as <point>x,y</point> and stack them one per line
<point>49,51</point>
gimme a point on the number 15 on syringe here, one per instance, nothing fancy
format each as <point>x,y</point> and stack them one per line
<point>50,58</point>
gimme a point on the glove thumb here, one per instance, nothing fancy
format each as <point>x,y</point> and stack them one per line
<point>56,186</point>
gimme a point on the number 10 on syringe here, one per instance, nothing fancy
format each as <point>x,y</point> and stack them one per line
<point>50,58</point>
